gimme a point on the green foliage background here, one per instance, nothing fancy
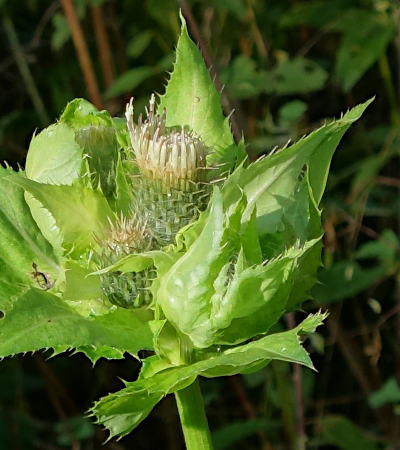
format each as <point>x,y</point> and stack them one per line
<point>287,67</point>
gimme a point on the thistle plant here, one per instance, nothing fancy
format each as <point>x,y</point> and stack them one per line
<point>159,235</point>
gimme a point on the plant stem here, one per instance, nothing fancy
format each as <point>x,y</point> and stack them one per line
<point>193,418</point>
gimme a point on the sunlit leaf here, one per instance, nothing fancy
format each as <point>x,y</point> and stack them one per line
<point>121,412</point>
<point>39,320</point>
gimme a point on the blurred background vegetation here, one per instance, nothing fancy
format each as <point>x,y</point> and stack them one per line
<point>287,67</point>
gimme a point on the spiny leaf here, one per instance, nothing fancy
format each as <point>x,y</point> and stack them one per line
<point>39,320</point>
<point>269,179</point>
<point>191,99</point>
<point>121,412</point>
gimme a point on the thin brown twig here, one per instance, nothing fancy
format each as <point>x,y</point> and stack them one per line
<point>52,387</point>
<point>83,53</point>
<point>255,30</point>
<point>388,181</point>
<point>42,23</point>
<point>187,12</point>
<point>118,40</point>
<point>103,45</point>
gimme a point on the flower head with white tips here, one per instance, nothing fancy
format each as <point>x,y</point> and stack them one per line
<point>177,157</point>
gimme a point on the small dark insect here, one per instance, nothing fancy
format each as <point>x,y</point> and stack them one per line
<point>41,278</point>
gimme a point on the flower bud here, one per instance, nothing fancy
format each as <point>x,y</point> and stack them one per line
<point>171,187</point>
<point>128,290</point>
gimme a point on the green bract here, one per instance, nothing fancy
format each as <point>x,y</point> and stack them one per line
<point>160,235</point>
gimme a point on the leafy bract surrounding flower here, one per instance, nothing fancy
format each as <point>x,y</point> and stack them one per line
<point>158,235</point>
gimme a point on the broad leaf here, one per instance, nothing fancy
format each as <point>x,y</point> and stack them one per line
<point>361,46</point>
<point>121,412</point>
<point>81,213</point>
<point>345,279</point>
<point>388,393</point>
<point>345,435</point>
<point>39,320</point>
<point>54,156</point>
<point>129,80</point>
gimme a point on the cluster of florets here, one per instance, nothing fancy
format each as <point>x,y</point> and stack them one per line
<point>176,157</point>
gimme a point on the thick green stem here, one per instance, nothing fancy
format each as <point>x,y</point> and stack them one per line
<point>193,418</point>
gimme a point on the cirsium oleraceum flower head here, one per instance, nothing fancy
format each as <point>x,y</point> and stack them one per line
<point>175,157</point>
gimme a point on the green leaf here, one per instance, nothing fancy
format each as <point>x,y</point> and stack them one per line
<point>76,112</point>
<point>61,33</point>
<point>344,279</point>
<point>236,7</point>
<point>80,213</point>
<point>100,145</point>
<point>345,435</point>
<point>388,393</point>
<point>242,78</point>
<point>128,81</point>
<point>234,432</point>
<point>12,285</point>
<point>361,46</point>
<point>296,76</point>
<point>21,243</point>
<point>54,157</point>
<point>191,99</point>
<point>139,43</point>
<point>289,76</point>
<point>273,178</point>
<point>136,262</point>
<point>121,412</point>
<point>204,293</point>
<point>39,320</point>
<point>316,13</point>
<point>78,285</point>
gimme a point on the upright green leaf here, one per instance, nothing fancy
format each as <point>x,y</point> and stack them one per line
<point>191,99</point>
